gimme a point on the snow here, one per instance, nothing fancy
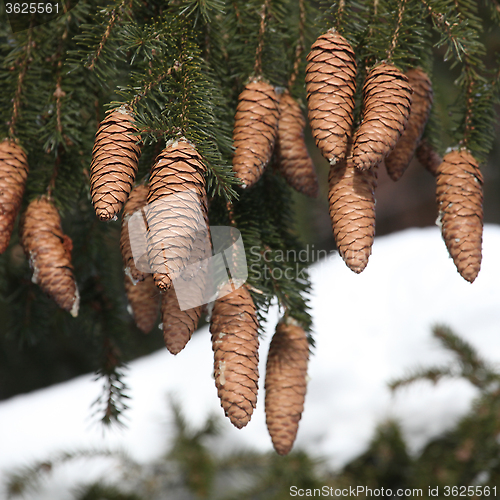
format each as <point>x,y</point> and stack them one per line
<point>369,329</point>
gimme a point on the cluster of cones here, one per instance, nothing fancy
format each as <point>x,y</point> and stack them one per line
<point>395,110</point>
<point>46,246</point>
<point>170,243</point>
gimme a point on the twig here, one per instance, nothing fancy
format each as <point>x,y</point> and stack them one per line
<point>397,30</point>
<point>300,44</point>
<point>262,30</point>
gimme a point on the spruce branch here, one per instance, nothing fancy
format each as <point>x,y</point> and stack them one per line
<point>397,29</point>
<point>299,48</point>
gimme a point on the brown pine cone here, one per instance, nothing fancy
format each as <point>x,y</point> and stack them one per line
<point>115,157</point>
<point>13,175</point>
<point>177,210</point>
<point>399,159</point>
<point>144,301</point>
<point>255,131</point>
<point>459,191</point>
<point>178,326</point>
<point>352,212</point>
<point>386,107</point>
<point>49,252</point>
<point>286,384</point>
<point>235,343</point>
<point>295,163</point>
<point>428,157</point>
<point>331,85</point>
<point>136,201</point>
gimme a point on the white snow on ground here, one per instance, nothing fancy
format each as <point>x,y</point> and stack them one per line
<point>369,329</point>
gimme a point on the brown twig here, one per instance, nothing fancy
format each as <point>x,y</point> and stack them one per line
<point>16,102</point>
<point>395,36</point>
<point>262,30</point>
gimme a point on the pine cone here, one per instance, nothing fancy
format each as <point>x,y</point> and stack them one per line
<point>13,175</point>
<point>352,212</point>
<point>235,344</point>
<point>428,157</point>
<point>178,326</point>
<point>177,210</point>
<point>399,159</point>
<point>459,191</point>
<point>136,201</point>
<point>295,163</point>
<point>115,157</point>
<point>331,84</point>
<point>255,131</point>
<point>144,301</point>
<point>286,384</point>
<point>386,107</point>
<point>49,253</point>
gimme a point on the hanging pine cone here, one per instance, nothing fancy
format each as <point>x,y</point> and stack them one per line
<point>428,157</point>
<point>13,175</point>
<point>331,84</point>
<point>49,253</point>
<point>399,159</point>
<point>352,212</point>
<point>144,301</point>
<point>255,131</point>
<point>459,191</point>
<point>136,201</point>
<point>386,107</point>
<point>177,210</point>
<point>115,157</point>
<point>295,163</point>
<point>235,344</point>
<point>178,326</point>
<point>286,384</point>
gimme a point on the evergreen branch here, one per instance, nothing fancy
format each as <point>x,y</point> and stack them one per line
<point>433,375</point>
<point>25,479</point>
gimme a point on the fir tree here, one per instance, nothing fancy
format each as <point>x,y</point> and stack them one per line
<point>178,69</point>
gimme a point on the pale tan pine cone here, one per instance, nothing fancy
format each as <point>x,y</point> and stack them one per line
<point>13,175</point>
<point>331,85</point>
<point>115,159</point>
<point>459,192</point>
<point>235,343</point>
<point>386,107</point>
<point>144,301</point>
<point>49,253</point>
<point>398,160</point>
<point>286,384</point>
<point>352,212</point>
<point>177,212</point>
<point>295,164</point>
<point>255,131</point>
